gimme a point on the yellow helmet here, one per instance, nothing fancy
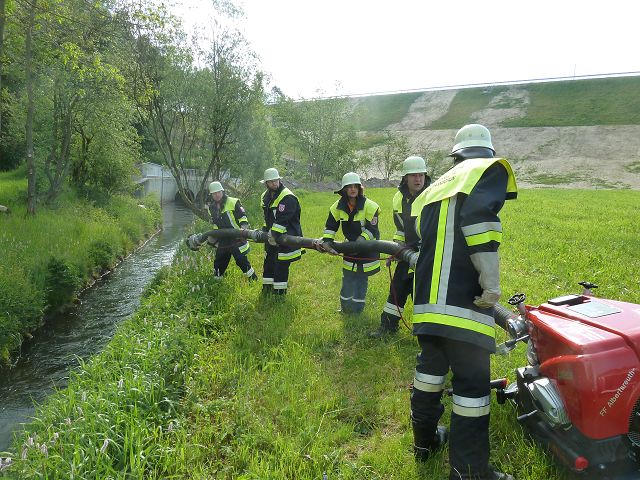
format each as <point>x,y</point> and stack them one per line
<point>215,187</point>
<point>472,135</point>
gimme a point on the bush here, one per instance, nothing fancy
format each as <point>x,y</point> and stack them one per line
<point>102,254</point>
<point>61,284</point>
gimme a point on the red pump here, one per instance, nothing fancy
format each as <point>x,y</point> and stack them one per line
<point>580,392</point>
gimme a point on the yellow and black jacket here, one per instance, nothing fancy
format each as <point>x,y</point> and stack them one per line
<point>456,217</point>
<point>402,218</point>
<point>229,213</point>
<point>362,222</point>
<point>281,211</point>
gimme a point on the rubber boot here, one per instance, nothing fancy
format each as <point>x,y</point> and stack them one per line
<point>426,441</point>
<point>388,326</point>
<point>253,277</point>
<point>489,474</point>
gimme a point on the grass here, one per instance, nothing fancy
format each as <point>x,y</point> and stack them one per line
<point>376,112</point>
<point>48,257</point>
<point>606,101</point>
<point>464,104</point>
<point>209,380</point>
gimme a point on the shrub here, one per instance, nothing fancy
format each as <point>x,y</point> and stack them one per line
<point>61,284</point>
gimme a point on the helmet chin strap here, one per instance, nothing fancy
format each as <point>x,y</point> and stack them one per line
<point>472,152</point>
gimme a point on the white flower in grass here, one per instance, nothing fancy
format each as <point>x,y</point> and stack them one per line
<point>44,450</point>
<point>80,411</point>
<point>30,442</point>
<point>175,369</point>
<point>23,455</point>
<point>120,383</point>
<point>5,463</point>
<point>84,396</point>
<point>170,428</point>
<point>56,435</point>
<point>67,421</point>
<point>105,444</point>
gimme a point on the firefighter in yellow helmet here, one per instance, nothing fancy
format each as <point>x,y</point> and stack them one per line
<point>358,217</point>
<point>281,211</point>
<point>414,181</point>
<point>457,284</point>
<point>228,212</point>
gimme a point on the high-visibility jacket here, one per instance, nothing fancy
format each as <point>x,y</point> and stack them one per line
<point>282,211</point>
<point>362,221</point>
<point>229,213</point>
<point>456,217</point>
<point>404,222</point>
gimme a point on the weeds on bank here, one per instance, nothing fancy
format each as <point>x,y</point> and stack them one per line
<point>212,380</point>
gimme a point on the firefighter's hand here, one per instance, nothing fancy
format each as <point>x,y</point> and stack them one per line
<point>193,242</point>
<point>271,240</point>
<point>487,300</point>
<point>212,241</point>
<point>328,247</point>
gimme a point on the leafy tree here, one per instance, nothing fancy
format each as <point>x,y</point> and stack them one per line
<point>200,117</point>
<point>322,129</point>
<point>389,156</point>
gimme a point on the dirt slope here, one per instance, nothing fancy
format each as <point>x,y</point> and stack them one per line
<point>569,157</point>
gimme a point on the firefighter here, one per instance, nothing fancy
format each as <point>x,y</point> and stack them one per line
<point>281,216</point>
<point>414,181</point>
<point>358,217</point>
<point>457,284</point>
<point>228,212</point>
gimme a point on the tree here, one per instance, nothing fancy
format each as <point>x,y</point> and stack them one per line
<point>322,129</point>
<point>390,155</point>
<point>198,117</point>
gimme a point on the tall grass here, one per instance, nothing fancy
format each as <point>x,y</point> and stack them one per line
<point>210,380</point>
<point>48,257</point>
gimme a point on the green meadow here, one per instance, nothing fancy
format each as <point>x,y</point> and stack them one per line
<point>209,380</point>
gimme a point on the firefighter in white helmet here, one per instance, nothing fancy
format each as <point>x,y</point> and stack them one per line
<point>457,284</point>
<point>228,212</point>
<point>358,217</point>
<point>414,181</point>
<point>281,210</point>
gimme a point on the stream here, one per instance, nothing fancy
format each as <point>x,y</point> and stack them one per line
<point>56,348</point>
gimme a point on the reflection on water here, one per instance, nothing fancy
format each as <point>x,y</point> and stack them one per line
<point>46,359</point>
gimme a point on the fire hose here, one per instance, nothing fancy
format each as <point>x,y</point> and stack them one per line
<point>365,247</point>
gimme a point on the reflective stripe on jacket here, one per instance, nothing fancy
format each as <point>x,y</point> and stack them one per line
<point>230,215</point>
<point>281,211</point>
<point>362,221</point>
<point>456,217</point>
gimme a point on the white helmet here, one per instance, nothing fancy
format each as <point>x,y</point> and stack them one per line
<point>215,187</point>
<point>270,174</point>
<point>472,135</point>
<point>350,178</point>
<point>413,164</point>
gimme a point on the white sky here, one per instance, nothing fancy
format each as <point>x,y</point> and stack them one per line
<point>369,46</point>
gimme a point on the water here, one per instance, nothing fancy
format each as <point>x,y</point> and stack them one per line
<point>46,359</point>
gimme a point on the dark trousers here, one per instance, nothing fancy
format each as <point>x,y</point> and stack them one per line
<point>353,291</point>
<point>469,429</point>
<point>223,256</point>
<point>275,273</point>
<point>400,289</point>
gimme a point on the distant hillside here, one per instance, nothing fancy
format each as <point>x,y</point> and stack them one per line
<point>580,133</point>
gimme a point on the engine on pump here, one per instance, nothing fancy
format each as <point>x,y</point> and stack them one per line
<point>579,394</point>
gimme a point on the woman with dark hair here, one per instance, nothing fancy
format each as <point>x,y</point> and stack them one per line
<point>358,217</point>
